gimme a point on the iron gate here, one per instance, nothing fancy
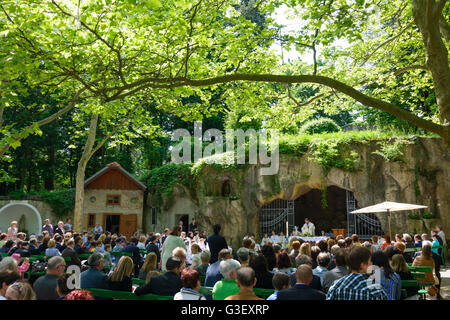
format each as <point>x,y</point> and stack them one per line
<point>274,216</point>
<point>364,225</point>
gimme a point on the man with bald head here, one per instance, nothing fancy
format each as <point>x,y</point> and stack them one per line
<point>245,280</point>
<point>301,290</point>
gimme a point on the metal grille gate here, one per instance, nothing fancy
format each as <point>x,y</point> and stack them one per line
<point>364,225</point>
<point>274,215</point>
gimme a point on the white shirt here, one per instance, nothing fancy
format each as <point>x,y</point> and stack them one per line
<point>309,228</point>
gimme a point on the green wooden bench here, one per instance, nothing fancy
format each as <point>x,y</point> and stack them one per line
<point>420,269</point>
<point>119,254</point>
<point>412,249</point>
<point>4,254</point>
<point>143,251</point>
<point>84,256</point>
<point>263,293</point>
<point>138,281</point>
<point>418,275</point>
<point>408,283</point>
<point>206,290</point>
<point>125,295</point>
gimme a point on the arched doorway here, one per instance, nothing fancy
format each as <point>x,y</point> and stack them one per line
<point>17,210</point>
<point>328,209</point>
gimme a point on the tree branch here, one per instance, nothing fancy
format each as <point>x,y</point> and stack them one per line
<point>387,42</point>
<point>47,120</point>
<point>113,132</point>
<point>412,67</point>
<point>303,104</point>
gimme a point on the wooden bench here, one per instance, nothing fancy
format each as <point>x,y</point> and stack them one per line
<point>138,281</point>
<point>121,253</point>
<point>125,295</point>
<point>408,283</point>
<point>263,293</point>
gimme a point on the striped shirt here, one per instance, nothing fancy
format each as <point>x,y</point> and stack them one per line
<point>356,286</point>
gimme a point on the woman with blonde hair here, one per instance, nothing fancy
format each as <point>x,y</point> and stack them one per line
<point>149,265</point>
<point>181,254</point>
<point>400,267</point>
<point>120,279</point>
<point>102,239</point>
<point>295,250</point>
<point>20,291</point>
<point>51,250</point>
<point>305,248</point>
<point>141,243</point>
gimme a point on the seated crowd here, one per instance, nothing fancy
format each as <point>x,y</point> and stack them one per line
<point>191,266</point>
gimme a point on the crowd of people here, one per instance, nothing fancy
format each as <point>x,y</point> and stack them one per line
<point>179,262</point>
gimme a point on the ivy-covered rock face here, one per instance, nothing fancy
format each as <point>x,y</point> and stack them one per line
<point>376,170</point>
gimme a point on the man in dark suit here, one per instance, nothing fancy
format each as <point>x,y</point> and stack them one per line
<point>315,282</point>
<point>94,277</point>
<point>301,290</point>
<point>70,252</point>
<point>216,243</point>
<point>167,284</point>
<point>153,247</point>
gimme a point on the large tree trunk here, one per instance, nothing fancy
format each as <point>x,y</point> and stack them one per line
<point>79,183</point>
<point>428,17</point>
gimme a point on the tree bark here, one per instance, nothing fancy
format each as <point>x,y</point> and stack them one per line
<point>427,15</point>
<point>81,170</point>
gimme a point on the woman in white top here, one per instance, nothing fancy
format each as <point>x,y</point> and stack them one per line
<point>265,239</point>
<point>12,231</point>
<point>172,241</point>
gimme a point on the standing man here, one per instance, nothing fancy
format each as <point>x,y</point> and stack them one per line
<point>442,235</point>
<point>166,234</point>
<point>98,230</point>
<point>308,228</point>
<point>193,225</point>
<point>216,243</point>
<point>68,225</point>
<point>48,227</point>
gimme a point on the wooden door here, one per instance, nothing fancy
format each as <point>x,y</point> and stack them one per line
<point>128,224</point>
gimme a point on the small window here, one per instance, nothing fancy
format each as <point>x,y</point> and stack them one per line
<point>91,220</point>
<point>113,200</point>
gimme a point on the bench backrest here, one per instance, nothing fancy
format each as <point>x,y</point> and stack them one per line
<point>125,295</point>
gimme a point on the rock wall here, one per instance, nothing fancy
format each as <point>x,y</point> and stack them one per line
<point>423,177</point>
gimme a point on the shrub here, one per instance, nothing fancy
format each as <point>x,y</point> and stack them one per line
<point>323,125</point>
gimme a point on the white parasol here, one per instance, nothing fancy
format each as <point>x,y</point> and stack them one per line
<point>389,207</point>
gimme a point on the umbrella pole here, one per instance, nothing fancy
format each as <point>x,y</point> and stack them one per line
<point>389,223</point>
